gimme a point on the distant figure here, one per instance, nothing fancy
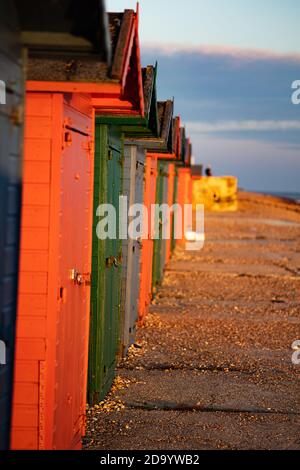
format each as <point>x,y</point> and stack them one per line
<point>208,171</point>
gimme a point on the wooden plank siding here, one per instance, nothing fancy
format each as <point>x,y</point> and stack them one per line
<point>34,257</point>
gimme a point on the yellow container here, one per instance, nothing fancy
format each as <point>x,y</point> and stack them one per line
<point>217,193</point>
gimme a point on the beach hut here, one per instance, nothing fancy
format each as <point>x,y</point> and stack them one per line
<point>132,127</point>
<point>160,149</point>
<point>133,189</point>
<point>165,196</point>
<point>11,120</point>
<point>176,147</point>
<point>185,187</point>
<point>145,294</point>
<point>171,201</point>
<point>56,229</point>
<point>165,148</point>
<point>175,201</point>
<point>159,251</point>
<point>153,131</point>
<point>118,172</point>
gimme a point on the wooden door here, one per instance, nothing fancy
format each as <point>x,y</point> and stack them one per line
<point>74,282</point>
<point>106,267</point>
<point>113,265</point>
<point>166,225</point>
<point>150,182</point>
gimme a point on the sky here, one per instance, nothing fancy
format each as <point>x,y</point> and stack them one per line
<point>230,71</point>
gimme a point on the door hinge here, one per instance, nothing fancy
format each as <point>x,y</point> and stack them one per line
<point>16,115</point>
<point>89,146</point>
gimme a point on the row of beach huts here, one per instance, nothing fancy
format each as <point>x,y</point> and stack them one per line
<point>81,126</point>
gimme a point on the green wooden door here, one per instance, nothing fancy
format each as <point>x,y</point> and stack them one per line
<point>113,262</point>
<point>106,267</point>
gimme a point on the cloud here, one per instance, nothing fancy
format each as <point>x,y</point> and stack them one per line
<point>219,84</point>
<point>237,108</point>
<point>236,126</point>
<point>258,165</point>
<point>219,50</point>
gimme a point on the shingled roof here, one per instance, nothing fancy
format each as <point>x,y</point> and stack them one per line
<point>185,148</point>
<point>52,49</point>
<point>149,74</point>
<point>165,116</point>
<point>176,140</point>
<point>64,48</point>
<point>146,125</point>
<point>162,143</point>
<point>188,152</point>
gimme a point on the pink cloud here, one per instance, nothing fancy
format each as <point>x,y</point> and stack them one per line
<point>232,126</point>
<point>220,50</point>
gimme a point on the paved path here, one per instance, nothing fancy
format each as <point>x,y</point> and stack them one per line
<point>215,368</point>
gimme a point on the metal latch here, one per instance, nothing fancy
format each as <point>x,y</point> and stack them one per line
<point>80,279</point>
<point>67,134</point>
<point>113,261</point>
